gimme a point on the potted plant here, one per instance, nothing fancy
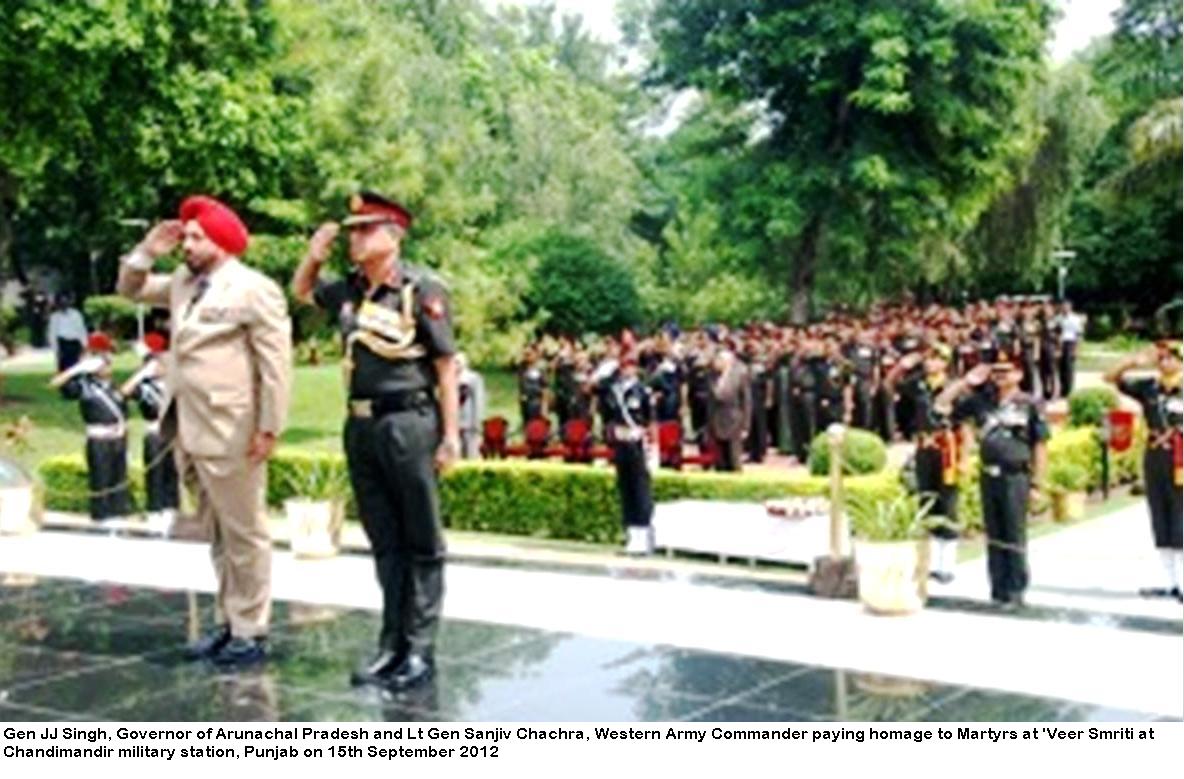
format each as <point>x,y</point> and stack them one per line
<point>18,499</point>
<point>316,514</point>
<point>891,553</point>
<point>1066,487</point>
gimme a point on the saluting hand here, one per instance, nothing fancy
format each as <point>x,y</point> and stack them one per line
<point>163,238</point>
<point>321,242</point>
<point>978,375</point>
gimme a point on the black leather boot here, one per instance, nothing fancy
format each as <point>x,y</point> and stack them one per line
<point>209,644</point>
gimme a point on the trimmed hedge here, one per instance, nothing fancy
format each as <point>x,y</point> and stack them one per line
<point>580,502</point>
<point>515,497</point>
<point>863,453</point>
<point>66,487</point>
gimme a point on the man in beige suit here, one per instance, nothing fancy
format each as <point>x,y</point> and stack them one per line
<point>729,409</point>
<point>229,375</point>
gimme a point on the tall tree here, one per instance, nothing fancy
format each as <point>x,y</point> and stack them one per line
<point>879,125</point>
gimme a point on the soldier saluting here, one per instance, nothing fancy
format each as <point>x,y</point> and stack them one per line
<point>402,382</point>
<point>1163,462</point>
<point>1013,432</point>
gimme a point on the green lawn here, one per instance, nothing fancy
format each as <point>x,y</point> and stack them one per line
<point>316,417</point>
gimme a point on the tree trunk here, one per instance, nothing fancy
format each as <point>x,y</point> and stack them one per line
<point>801,274</point>
<point>7,206</point>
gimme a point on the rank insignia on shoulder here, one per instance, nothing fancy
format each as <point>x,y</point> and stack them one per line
<point>434,307</point>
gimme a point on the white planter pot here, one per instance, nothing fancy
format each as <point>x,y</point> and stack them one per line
<point>892,576</point>
<point>16,511</point>
<point>312,527</point>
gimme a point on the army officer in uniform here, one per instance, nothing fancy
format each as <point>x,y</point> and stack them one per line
<point>402,380</point>
<point>1013,432</point>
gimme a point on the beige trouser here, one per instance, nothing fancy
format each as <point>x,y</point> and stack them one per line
<point>231,509</point>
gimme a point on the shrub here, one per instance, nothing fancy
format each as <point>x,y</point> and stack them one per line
<point>578,288</point>
<point>66,486</point>
<point>111,313</point>
<point>1089,406</point>
<point>863,453</point>
<point>1066,476</point>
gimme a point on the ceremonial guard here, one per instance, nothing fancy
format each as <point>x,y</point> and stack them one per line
<point>1012,431</point>
<point>105,413</point>
<point>633,436</point>
<point>402,383</point>
<point>667,386</point>
<point>1163,462</point>
<point>147,388</point>
<point>936,459</point>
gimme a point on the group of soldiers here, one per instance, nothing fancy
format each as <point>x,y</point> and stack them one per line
<point>104,407</point>
<point>784,385</point>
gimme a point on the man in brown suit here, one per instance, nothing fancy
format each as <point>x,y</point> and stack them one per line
<point>730,410</point>
<point>229,378</point>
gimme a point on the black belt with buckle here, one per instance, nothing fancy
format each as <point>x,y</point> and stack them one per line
<point>393,403</point>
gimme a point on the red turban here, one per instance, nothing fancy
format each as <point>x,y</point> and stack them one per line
<point>220,224</point>
<point>155,343</point>
<point>99,342</point>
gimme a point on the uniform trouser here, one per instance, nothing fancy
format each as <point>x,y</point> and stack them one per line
<point>883,410</point>
<point>931,485</point>
<point>1028,382</point>
<point>1005,508</point>
<point>826,413</point>
<point>633,484</point>
<point>1163,498</point>
<point>904,410</point>
<point>758,435</point>
<point>728,453</point>
<point>530,409</point>
<point>230,504</point>
<point>1067,366</point>
<point>801,420</point>
<point>69,352</point>
<point>861,407</point>
<point>1048,375</point>
<point>392,469</point>
<point>699,418</point>
<point>160,473</point>
<point>106,466</point>
<point>783,427</point>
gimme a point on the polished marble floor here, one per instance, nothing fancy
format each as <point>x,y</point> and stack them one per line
<point>75,650</point>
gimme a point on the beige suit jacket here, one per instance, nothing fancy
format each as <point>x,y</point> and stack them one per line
<point>230,361</point>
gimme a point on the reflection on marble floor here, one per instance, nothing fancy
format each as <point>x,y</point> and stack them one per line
<point>71,650</point>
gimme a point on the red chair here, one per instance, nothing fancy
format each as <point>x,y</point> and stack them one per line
<point>706,457</point>
<point>670,444</point>
<point>493,438</point>
<point>577,441</point>
<point>538,432</point>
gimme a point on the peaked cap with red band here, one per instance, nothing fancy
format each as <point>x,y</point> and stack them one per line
<point>155,343</point>
<point>220,224</point>
<point>99,341</point>
<point>371,208</point>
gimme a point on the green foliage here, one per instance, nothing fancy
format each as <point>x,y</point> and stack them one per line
<point>902,517</point>
<point>67,488</point>
<point>863,453</point>
<point>111,313</point>
<point>828,178</point>
<point>315,476</point>
<point>1088,407</point>
<point>577,288</point>
<point>10,322</point>
<point>1067,476</point>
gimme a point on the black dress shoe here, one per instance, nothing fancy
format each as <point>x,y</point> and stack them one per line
<point>1158,592</point>
<point>240,652</point>
<point>378,671</point>
<point>412,672</point>
<point>942,577</point>
<point>1178,594</point>
<point>209,644</point>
